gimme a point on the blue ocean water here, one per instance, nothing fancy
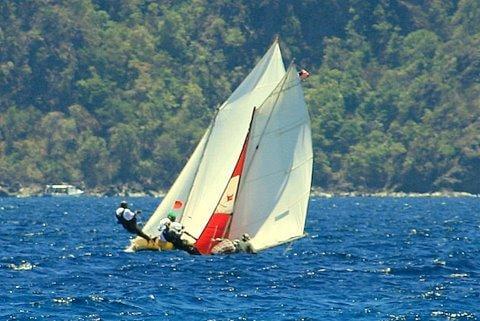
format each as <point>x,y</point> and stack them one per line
<point>364,259</point>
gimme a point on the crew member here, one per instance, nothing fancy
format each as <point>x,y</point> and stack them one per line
<point>165,226</point>
<point>243,245</point>
<point>172,231</point>
<point>128,219</point>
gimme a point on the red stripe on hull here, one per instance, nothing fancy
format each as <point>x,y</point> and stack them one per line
<point>216,227</point>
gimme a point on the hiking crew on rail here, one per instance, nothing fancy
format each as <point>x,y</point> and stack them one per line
<point>128,219</point>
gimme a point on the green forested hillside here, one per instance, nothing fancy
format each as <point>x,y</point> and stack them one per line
<point>101,92</point>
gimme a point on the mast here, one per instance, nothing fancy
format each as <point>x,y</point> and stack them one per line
<point>281,84</point>
<point>226,140</point>
<point>218,225</point>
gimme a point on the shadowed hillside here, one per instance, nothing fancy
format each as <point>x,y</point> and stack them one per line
<point>102,92</point>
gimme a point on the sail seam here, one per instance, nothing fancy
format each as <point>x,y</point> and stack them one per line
<point>291,169</point>
<point>298,200</point>
<point>284,129</point>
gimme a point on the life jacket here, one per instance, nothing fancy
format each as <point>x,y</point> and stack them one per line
<point>241,246</point>
<point>122,220</point>
<point>173,232</point>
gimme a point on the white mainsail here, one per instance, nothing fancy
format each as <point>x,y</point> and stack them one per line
<point>226,140</point>
<point>274,192</point>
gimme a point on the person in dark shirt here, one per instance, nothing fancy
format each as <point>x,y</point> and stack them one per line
<point>243,245</point>
<point>128,219</point>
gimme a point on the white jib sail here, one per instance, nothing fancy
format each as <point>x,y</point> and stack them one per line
<point>179,190</point>
<point>275,187</point>
<point>226,139</point>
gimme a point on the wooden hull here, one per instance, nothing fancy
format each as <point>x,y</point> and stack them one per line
<point>140,244</point>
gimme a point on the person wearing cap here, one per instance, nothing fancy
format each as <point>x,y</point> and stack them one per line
<point>243,245</point>
<point>172,231</point>
<point>164,227</point>
<point>128,219</point>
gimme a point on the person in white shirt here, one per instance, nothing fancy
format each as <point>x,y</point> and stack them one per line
<point>165,226</point>
<point>128,219</point>
<point>172,231</point>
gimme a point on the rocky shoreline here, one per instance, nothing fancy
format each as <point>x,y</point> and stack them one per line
<point>112,191</point>
<point>392,194</point>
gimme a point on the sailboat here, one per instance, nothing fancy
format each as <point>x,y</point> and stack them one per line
<point>251,171</point>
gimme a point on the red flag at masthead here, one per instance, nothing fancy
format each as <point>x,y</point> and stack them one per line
<point>303,74</point>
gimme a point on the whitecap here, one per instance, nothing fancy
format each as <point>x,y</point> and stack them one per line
<point>453,315</point>
<point>458,275</point>
<point>66,300</point>
<point>386,270</point>
<point>96,298</point>
<point>23,266</point>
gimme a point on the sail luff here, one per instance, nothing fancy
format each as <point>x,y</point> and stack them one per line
<point>210,128</point>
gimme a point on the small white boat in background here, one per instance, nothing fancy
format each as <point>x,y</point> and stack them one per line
<point>62,190</point>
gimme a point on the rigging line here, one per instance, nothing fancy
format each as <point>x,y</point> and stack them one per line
<point>292,168</point>
<point>280,85</point>
<point>211,240</point>
<point>212,125</point>
<point>294,83</point>
<point>279,91</point>
<point>193,237</point>
<point>288,248</point>
<point>282,130</point>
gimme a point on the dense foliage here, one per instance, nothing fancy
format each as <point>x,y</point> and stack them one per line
<point>100,92</point>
